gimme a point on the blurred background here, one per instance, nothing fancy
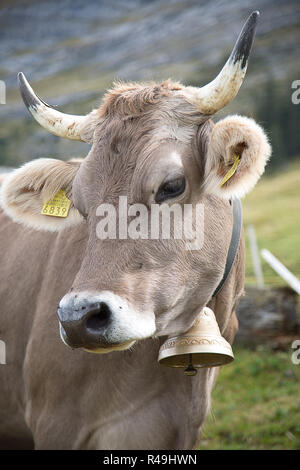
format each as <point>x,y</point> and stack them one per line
<point>72,50</point>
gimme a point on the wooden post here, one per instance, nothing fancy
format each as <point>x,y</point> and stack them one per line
<point>255,257</point>
<point>2,92</point>
<point>281,270</point>
<point>2,352</point>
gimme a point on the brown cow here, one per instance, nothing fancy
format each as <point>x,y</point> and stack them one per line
<point>153,143</point>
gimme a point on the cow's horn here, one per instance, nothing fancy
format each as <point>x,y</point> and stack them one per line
<point>218,93</point>
<point>63,125</point>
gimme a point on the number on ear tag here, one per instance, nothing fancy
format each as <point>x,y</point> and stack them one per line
<point>58,207</point>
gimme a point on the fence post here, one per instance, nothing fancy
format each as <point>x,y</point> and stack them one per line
<point>255,257</point>
<point>281,270</point>
<point>2,92</point>
<point>2,352</point>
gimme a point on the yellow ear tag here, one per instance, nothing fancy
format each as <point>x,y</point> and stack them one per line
<point>58,207</point>
<point>232,170</point>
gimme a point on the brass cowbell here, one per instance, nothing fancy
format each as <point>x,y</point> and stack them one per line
<point>201,346</point>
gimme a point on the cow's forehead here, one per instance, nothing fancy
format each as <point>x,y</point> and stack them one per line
<point>137,118</point>
<point>132,99</point>
<point>137,124</point>
<point>165,106</point>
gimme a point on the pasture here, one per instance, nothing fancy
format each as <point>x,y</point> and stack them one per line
<point>256,401</point>
<point>273,208</point>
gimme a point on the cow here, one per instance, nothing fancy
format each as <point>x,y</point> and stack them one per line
<point>88,378</point>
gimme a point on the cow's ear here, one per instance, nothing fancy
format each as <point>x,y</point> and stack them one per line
<point>25,192</point>
<point>237,153</point>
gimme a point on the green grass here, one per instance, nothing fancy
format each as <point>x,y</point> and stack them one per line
<point>273,207</point>
<point>256,400</point>
<point>255,403</point>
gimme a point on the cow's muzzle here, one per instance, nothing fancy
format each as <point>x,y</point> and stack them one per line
<point>102,322</point>
<point>85,325</point>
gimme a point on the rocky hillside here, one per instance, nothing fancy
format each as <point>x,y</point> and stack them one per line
<point>72,50</point>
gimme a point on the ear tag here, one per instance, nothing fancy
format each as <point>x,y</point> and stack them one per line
<point>232,170</point>
<point>58,207</point>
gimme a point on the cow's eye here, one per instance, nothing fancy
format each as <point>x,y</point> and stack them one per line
<point>170,189</point>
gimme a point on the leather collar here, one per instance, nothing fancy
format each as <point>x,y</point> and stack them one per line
<point>234,242</point>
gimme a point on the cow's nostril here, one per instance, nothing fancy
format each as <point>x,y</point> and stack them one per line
<point>98,319</point>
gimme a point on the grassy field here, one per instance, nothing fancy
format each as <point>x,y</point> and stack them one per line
<point>273,207</point>
<point>256,400</point>
<point>255,403</point>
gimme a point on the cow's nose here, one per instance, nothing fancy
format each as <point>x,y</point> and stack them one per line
<point>84,323</point>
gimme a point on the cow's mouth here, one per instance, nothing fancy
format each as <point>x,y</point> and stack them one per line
<point>107,349</point>
<point>96,348</point>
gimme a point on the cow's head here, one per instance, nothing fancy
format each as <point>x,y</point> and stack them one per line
<point>154,144</point>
